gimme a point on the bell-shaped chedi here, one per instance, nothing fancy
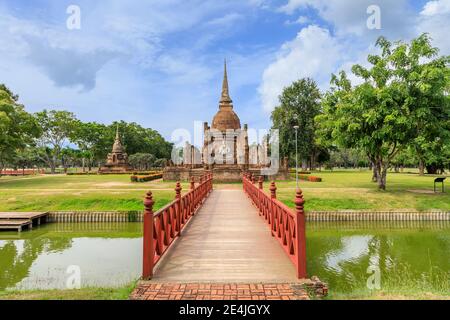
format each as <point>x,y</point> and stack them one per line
<point>226,118</point>
<point>117,160</point>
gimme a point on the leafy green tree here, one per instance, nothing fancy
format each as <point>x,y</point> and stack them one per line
<point>390,109</point>
<point>17,127</point>
<point>138,139</point>
<point>91,138</point>
<point>160,163</point>
<point>142,161</point>
<point>299,105</point>
<point>57,127</point>
<point>367,116</point>
<point>25,158</point>
<point>423,78</point>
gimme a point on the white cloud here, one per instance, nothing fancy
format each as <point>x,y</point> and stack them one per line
<point>313,53</point>
<point>317,52</point>
<point>350,16</point>
<point>226,20</point>
<point>434,19</point>
<point>437,7</point>
<point>300,20</point>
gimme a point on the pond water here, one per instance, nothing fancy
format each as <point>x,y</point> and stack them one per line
<point>345,255</point>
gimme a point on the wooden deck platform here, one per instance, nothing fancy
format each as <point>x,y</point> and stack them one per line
<point>20,220</point>
<point>227,241</point>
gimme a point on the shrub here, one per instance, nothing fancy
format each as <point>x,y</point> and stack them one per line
<point>136,178</point>
<point>82,173</point>
<point>309,178</point>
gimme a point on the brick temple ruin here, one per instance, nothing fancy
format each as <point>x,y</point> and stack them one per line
<point>226,151</point>
<point>117,160</point>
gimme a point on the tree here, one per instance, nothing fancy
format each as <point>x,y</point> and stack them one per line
<point>142,161</point>
<point>17,127</point>
<point>160,163</point>
<point>367,116</point>
<point>25,158</point>
<point>91,138</point>
<point>299,105</point>
<point>382,115</point>
<point>423,78</point>
<point>57,127</point>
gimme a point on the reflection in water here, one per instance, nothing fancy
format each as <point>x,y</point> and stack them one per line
<point>341,254</point>
<point>109,254</point>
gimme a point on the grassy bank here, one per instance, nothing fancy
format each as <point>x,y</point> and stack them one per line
<point>340,190</point>
<point>388,295</point>
<point>353,190</point>
<point>82,294</point>
<point>93,193</point>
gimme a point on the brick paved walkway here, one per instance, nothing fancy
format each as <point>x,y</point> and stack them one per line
<point>216,291</point>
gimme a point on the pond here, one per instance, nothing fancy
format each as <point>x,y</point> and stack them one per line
<point>345,255</point>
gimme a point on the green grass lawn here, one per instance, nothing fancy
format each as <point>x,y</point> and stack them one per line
<point>81,294</point>
<point>92,193</point>
<point>353,190</point>
<point>340,190</point>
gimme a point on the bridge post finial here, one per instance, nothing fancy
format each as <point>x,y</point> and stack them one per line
<point>261,182</point>
<point>299,202</point>
<point>192,183</point>
<point>273,190</point>
<point>148,203</point>
<point>178,191</point>
<point>148,245</point>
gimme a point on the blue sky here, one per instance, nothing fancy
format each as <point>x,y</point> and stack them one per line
<point>160,63</point>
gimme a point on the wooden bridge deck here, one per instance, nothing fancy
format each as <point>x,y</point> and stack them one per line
<point>227,241</point>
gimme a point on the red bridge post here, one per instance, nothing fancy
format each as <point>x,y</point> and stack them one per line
<point>149,246</point>
<point>301,237</point>
<point>178,208</point>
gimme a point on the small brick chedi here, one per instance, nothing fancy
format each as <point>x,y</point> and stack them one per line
<point>117,160</point>
<point>226,151</point>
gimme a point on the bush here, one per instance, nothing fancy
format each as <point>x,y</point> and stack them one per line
<point>309,178</point>
<point>136,178</point>
<point>300,172</point>
<point>82,173</point>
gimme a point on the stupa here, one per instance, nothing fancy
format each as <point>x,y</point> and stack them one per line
<point>117,160</point>
<point>226,152</point>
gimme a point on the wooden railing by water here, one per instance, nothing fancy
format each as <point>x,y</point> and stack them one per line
<point>163,227</point>
<point>286,225</point>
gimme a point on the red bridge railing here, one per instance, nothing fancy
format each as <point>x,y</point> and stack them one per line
<point>286,225</point>
<point>164,226</point>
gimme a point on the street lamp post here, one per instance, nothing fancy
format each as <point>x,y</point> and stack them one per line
<point>296,154</point>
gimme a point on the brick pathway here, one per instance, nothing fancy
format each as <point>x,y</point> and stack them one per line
<point>216,291</point>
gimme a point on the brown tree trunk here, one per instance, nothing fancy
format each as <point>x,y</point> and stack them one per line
<point>381,173</point>
<point>374,172</point>
<point>421,167</point>
<point>382,179</point>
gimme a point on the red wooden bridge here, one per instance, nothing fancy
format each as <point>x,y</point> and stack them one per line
<point>224,236</point>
